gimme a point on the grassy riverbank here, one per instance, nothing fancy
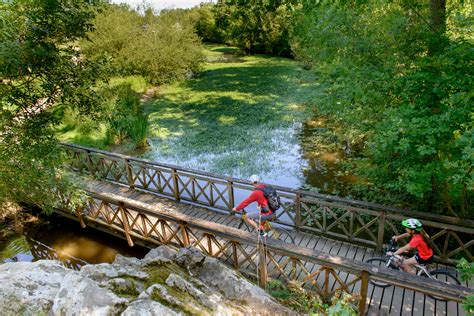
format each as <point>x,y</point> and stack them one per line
<point>240,115</point>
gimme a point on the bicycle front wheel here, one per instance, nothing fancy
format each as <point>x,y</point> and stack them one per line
<point>379,262</point>
<point>444,276</point>
<point>280,234</point>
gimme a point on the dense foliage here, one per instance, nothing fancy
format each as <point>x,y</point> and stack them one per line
<point>400,82</point>
<point>308,302</point>
<point>161,48</point>
<point>255,26</point>
<point>466,270</point>
<point>40,68</point>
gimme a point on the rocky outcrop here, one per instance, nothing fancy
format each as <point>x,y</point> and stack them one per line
<point>165,282</point>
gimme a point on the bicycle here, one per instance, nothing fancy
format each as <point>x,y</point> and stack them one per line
<point>394,261</point>
<point>271,232</point>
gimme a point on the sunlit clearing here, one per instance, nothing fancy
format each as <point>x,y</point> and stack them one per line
<point>227,120</point>
<point>320,121</point>
<point>330,157</point>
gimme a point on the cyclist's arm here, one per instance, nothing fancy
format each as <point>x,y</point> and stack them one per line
<point>403,249</point>
<point>252,198</point>
<point>397,238</point>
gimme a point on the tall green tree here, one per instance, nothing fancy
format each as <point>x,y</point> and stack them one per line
<point>40,68</point>
<point>161,48</point>
<point>398,77</point>
<point>256,26</point>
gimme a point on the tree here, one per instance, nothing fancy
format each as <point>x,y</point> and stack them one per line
<point>257,26</point>
<point>398,78</point>
<point>40,68</point>
<point>161,48</point>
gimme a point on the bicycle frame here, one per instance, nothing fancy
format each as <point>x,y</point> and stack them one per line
<point>420,269</point>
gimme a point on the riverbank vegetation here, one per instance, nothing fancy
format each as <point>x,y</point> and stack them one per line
<point>397,80</point>
<point>390,82</point>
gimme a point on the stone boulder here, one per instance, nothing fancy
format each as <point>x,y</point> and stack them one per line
<point>165,282</point>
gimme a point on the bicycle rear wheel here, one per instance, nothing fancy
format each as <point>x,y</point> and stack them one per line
<point>445,276</point>
<point>380,262</point>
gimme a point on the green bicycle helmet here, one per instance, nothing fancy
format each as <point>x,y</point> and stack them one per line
<point>412,223</point>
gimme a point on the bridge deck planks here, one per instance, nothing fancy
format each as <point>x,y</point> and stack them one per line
<point>388,301</point>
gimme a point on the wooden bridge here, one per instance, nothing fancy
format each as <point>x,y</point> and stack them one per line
<point>153,204</point>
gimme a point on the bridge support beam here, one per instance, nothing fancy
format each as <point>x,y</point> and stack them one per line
<point>262,265</point>
<point>364,285</point>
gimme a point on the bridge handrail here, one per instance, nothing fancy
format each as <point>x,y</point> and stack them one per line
<point>416,283</point>
<point>373,231</point>
<point>326,197</point>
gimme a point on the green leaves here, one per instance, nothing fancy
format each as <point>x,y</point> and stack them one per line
<point>40,68</point>
<point>161,48</point>
<point>411,102</point>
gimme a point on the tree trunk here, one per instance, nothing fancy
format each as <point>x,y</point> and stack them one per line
<point>438,16</point>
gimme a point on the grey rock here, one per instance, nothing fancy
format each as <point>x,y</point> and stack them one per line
<point>190,258</point>
<point>82,296</point>
<point>161,252</point>
<point>158,290</point>
<point>131,262</point>
<point>105,271</point>
<point>123,286</point>
<point>148,308</point>
<point>47,287</point>
<point>235,287</point>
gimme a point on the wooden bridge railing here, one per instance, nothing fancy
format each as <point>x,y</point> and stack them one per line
<point>354,221</point>
<point>324,273</point>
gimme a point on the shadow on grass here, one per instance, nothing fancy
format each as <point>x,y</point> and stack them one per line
<point>233,120</point>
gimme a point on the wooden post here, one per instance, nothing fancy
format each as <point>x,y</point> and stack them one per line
<point>351,226</point>
<point>230,189</point>
<point>380,235</point>
<point>262,265</point>
<point>234,255</point>
<point>79,216</point>
<point>175,184</point>
<point>211,193</point>
<point>326,283</point>
<point>298,210</point>
<point>89,163</point>
<point>131,182</point>
<point>293,270</point>
<point>185,235</point>
<point>126,226</point>
<point>324,219</point>
<point>209,244</point>
<point>364,285</point>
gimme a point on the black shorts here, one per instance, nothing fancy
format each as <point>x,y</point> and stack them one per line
<point>423,261</point>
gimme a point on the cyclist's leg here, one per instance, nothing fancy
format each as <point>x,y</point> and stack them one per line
<point>265,218</point>
<point>408,265</point>
<point>251,218</point>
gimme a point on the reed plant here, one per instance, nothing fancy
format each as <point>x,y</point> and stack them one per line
<point>138,130</point>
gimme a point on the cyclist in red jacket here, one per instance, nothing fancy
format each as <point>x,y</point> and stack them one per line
<point>419,241</point>
<point>263,212</point>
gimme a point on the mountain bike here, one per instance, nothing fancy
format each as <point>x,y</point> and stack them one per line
<point>277,233</point>
<point>394,262</point>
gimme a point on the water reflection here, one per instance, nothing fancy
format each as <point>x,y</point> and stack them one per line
<point>307,156</point>
<point>66,241</point>
<point>273,154</point>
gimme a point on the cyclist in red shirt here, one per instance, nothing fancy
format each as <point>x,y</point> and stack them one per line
<point>263,212</point>
<point>419,241</point>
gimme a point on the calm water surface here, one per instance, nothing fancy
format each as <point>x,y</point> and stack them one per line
<point>65,240</point>
<point>291,160</point>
